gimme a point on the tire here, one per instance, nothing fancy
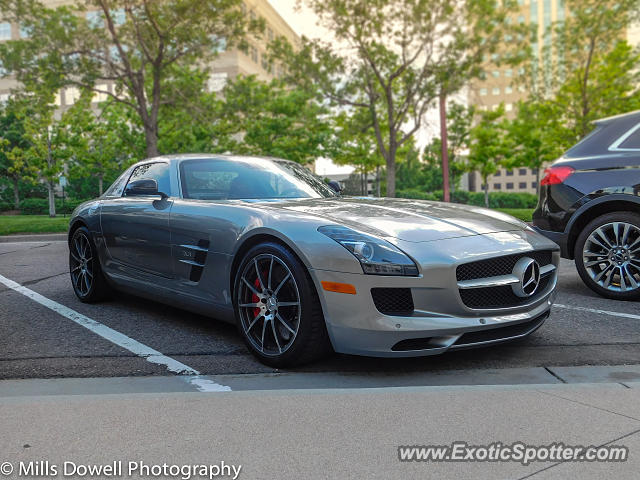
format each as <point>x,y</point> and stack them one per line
<point>278,313</point>
<point>86,274</point>
<point>607,255</point>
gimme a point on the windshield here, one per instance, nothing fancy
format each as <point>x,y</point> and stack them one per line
<point>248,179</point>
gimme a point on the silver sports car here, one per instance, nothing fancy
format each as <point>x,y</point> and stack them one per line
<point>301,270</point>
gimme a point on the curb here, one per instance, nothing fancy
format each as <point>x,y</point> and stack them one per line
<point>618,376</point>
<point>40,237</point>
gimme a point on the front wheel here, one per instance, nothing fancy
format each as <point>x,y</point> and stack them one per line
<point>608,255</point>
<point>277,308</point>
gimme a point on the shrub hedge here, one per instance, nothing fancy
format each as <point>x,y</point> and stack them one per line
<point>40,206</point>
<point>496,199</point>
<point>4,206</point>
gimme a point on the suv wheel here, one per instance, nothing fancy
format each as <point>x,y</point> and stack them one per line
<point>608,255</point>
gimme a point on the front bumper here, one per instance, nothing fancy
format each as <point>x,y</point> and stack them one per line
<point>356,327</point>
<point>440,319</point>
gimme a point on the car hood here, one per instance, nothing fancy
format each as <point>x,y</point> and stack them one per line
<point>404,219</point>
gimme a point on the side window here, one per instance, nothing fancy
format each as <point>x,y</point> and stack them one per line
<point>207,179</point>
<point>157,171</point>
<point>632,141</point>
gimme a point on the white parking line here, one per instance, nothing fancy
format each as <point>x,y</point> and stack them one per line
<point>595,310</point>
<point>141,350</point>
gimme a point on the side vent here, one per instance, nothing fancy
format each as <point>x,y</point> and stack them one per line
<point>198,256</point>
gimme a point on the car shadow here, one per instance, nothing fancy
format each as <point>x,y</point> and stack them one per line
<point>180,333</point>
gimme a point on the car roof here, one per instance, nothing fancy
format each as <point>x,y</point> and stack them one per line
<point>604,138</point>
<point>204,156</point>
<point>635,115</point>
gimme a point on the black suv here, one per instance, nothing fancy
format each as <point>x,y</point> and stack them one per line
<point>590,205</point>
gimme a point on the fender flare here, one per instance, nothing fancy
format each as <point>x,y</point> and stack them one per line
<point>615,197</point>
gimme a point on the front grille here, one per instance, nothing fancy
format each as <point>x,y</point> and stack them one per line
<point>494,267</point>
<point>499,297</point>
<point>393,301</point>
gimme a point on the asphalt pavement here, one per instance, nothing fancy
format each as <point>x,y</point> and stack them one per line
<point>36,342</point>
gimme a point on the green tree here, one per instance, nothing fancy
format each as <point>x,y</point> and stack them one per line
<point>196,121</point>
<point>533,133</point>
<point>13,145</point>
<point>608,86</point>
<point>586,66</point>
<point>271,119</point>
<point>488,146</point>
<point>459,121</point>
<point>132,45</point>
<point>414,174</point>
<point>101,143</point>
<point>47,139</point>
<point>355,145</point>
<point>392,58</point>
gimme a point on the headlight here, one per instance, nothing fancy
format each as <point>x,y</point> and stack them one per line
<point>377,256</point>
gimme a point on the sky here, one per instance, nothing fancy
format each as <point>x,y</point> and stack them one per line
<point>302,20</point>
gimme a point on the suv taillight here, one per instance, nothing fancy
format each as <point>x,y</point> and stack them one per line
<point>556,175</point>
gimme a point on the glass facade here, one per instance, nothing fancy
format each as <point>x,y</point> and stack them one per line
<point>560,14</point>
<point>546,13</point>
<point>534,11</point>
<point>5,31</point>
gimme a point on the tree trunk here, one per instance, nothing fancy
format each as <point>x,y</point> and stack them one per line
<point>50,186</point>
<point>151,138</point>
<point>538,180</point>
<point>378,180</point>
<point>52,199</point>
<point>486,192</point>
<point>391,174</point>
<point>100,184</point>
<point>445,148</point>
<point>16,194</point>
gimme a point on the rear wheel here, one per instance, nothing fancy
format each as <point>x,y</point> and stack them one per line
<point>277,308</point>
<point>608,255</point>
<point>88,282</point>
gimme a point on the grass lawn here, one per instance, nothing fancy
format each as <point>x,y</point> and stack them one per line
<point>10,224</point>
<point>523,214</point>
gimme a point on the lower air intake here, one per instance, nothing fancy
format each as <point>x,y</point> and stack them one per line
<point>393,301</point>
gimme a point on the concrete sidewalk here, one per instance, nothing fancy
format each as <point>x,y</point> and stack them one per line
<point>331,433</point>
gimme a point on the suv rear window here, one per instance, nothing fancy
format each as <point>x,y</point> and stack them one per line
<point>632,142</point>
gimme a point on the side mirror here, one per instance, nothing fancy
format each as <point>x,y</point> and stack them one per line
<point>144,186</point>
<point>335,186</point>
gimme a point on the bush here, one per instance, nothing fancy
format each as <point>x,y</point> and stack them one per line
<point>34,206</point>
<point>40,206</point>
<point>512,200</point>
<point>418,194</point>
<point>4,206</point>
<point>496,199</point>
